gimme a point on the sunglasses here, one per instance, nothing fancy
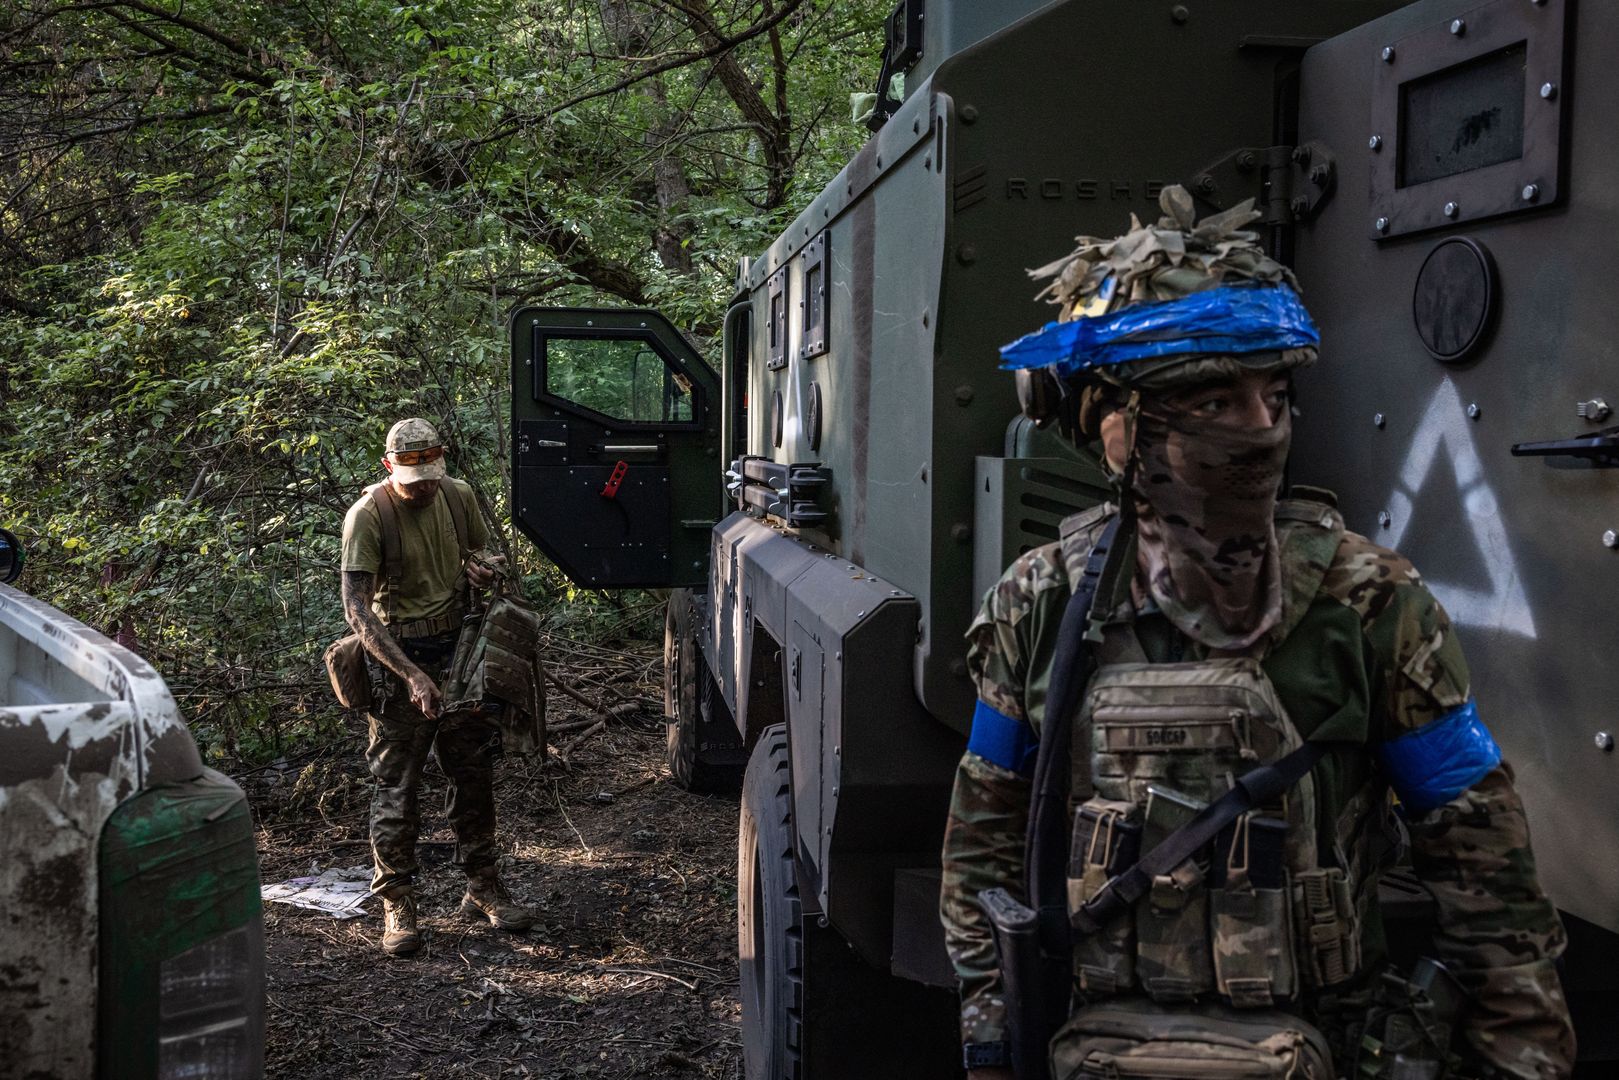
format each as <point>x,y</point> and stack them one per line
<point>416,457</point>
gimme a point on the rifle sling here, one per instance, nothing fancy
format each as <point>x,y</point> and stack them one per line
<point>1047,839</point>
<point>1254,788</point>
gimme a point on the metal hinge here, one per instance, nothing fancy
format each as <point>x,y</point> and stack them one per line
<point>1288,184</point>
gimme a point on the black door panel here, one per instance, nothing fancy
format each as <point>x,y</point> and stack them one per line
<point>599,393</point>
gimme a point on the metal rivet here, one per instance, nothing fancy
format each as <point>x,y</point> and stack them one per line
<point>1388,54</point>
<point>969,113</point>
<point>1375,143</point>
<point>1548,90</point>
<point>1610,539</point>
<point>960,531</point>
<point>1180,14</point>
<point>1377,421</point>
<point>1384,518</point>
<point>1381,224</point>
<point>1531,193</point>
<point>1473,411</point>
<point>966,254</point>
<point>1458,27</point>
<point>1246,161</point>
<point>1452,209</point>
<point>1206,184</point>
<point>1604,742</point>
<point>964,395</point>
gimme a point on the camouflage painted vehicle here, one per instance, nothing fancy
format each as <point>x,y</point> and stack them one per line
<point>1438,175</point>
<point>131,943</point>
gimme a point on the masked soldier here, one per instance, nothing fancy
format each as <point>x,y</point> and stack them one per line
<point>1230,629</point>
<point>411,551</point>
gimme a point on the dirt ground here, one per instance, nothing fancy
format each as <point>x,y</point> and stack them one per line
<point>631,973</point>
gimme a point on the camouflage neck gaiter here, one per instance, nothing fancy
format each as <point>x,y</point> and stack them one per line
<point>1205,499</point>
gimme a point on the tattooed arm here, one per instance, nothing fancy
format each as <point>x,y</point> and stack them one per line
<point>357,589</point>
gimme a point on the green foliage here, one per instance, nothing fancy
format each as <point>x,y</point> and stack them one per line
<point>240,239</point>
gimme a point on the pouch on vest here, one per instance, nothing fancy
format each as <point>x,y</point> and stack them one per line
<point>1106,842</point>
<point>1328,926</point>
<point>1173,958</point>
<point>1127,1040</point>
<point>1250,914</point>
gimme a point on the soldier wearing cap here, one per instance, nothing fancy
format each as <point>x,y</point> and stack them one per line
<point>410,634</point>
<point>1232,628</point>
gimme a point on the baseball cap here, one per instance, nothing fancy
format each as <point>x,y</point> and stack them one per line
<point>416,451</point>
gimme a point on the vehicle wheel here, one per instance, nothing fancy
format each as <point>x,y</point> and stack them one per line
<point>686,680</point>
<point>769,918</point>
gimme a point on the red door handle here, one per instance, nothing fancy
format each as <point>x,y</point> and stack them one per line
<point>610,489</point>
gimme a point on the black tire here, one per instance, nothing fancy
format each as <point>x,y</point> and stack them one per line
<point>769,918</point>
<point>685,680</point>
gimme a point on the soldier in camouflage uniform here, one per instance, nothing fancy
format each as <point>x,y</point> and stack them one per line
<point>411,638</point>
<point>1359,652</point>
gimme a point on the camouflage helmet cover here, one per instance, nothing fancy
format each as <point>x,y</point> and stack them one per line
<point>1172,259</point>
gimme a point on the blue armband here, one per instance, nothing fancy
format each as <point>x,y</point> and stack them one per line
<point>1432,765</point>
<point>1001,740</point>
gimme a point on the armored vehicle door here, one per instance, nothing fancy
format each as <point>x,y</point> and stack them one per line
<point>615,446</point>
<point>1461,274</point>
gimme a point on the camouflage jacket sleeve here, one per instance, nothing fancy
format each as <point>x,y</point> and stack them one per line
<point>1497,930</point>
<point>989,809</point>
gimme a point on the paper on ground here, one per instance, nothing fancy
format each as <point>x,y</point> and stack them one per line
<point>339,891</point>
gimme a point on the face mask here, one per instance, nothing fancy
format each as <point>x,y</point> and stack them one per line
<point>1205,502</point>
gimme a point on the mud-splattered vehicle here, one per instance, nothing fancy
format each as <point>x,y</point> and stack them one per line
<point>1441,177</point>
<point>131,942</point>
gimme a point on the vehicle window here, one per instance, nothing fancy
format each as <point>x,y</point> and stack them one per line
<point>623,378</point>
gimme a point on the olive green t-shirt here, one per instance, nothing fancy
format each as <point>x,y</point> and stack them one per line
<point>428,584</point>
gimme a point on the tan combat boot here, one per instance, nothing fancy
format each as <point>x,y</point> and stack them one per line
<point>399,934</point>
<point>487,898</point>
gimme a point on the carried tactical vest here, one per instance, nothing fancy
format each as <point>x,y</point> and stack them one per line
<point>1260,917</point>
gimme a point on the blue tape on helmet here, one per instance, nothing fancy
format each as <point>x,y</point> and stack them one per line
<point>1001,740</point>
<point>1432,765</point>
<point>1231,320</point>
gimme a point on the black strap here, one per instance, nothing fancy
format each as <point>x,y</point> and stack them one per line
<point>1047,839</point>
<point>1253,789</point>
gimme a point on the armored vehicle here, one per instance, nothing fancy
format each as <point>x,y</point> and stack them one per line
<point>1439,174</point>
<point>131,942</point>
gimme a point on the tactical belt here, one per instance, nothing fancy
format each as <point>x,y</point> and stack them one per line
<point>430,627</point>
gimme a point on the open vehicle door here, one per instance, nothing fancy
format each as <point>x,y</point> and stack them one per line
<point>1461,411</point>
<point>615,446</point>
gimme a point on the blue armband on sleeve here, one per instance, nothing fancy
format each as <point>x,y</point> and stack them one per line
<point>1435,763</point>
<point>1001,740</point>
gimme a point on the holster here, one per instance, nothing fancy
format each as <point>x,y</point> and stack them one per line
<point>1023,981</point>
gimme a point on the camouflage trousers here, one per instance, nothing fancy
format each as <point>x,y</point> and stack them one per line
<point>400,738</point>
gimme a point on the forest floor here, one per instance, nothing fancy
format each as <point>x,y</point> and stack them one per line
<point>632,970</point>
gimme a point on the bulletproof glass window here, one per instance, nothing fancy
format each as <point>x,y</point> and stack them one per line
<point>624,378</point>
<point>816,278</point>
<point>776,321</point>
<point>1463,118</point>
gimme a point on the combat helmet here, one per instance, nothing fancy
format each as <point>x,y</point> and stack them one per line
<point>1159,308</point>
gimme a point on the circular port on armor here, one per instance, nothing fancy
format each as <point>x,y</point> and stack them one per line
<point>812,417</point>
<point>1455,299</point>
